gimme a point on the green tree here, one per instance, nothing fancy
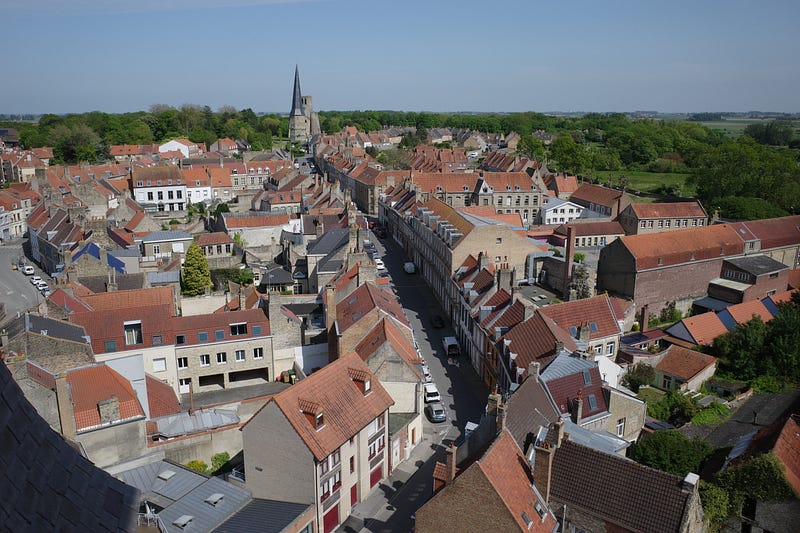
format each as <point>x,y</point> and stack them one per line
<point>196,274</point>
<point>218,460</point>
<point>671,451</point>
<point>571,156</point>
<point>73,144</point>
<point>761,478</point>
<point>674,407</point>
<point>531,147</point>
<point>638,375</point>
<point>580,282</point>
<point>715,504</point>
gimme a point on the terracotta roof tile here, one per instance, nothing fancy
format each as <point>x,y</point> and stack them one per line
<point>535,340</point>
<point>596,309</point>
<point>255,221</point>
<point>161,399</point>
<point>787,449</point>
<point>773,232</point>
<point>351,307</point>
<point>668,210</point>
<point>745,311</point>
<point>684,363</point>
<point>598,195</point>
<point>91,385</point>
<point>704,328</point>
<point>566,390</point>
<point>211,239</point>
<point>346,410</point>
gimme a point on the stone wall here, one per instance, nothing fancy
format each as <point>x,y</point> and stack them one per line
<point>114,444</point>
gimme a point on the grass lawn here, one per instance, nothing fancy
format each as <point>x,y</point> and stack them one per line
<point>649,182</point>
<point>650,394</point>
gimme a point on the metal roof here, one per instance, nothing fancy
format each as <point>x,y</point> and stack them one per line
<point>162,236</point>
<point>203,420</point>
<point>566,364</point>
<point>264,516</point>
<point>206,516</point>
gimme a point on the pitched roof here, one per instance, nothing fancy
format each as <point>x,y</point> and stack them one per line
<point>386,332</point>
<point>582,229</point>
<point>535,340</point>
<point>787,449</point>
<point>618,490</point>
<point>528,409</point>
<point>773,232</point>
<point>569,378</point>
<point>684,363</point>
<point>744,312</point>
<point>161,399</point>
<point>597,194</point>
<point>92,385</point>
<point>350,308</point>
<point>668,210</point>
<point>682,246</point>
<point>704,328</point>
<point>211,239</point>
<point>345,409</point>
<point>596,310</point>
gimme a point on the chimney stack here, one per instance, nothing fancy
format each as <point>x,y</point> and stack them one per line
<point>66,415</point>
<point>109,410</point>
<point>528,308</point>
<point>584,332</point>
<point>579,407</point>
<point>493,403</point>
<point>644,321</point>
<point>570,257</point>
<point>451,462</point>
<point>533,369</point>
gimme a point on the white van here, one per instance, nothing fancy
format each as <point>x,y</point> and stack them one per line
<point>432,393</point>
<point>451,348</point>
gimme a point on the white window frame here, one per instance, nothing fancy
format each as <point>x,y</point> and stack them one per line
<point>239,357</point>
<point>183,362</point>
<point>205,359</point>
<point>258,352</point>
<point>222,358</point>
<point>160,364</point>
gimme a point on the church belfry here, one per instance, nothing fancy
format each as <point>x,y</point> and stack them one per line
<point>303,121</point>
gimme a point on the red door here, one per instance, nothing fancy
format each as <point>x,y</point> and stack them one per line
<point>353,494</point>
<point>376,476</point>
<point>331,519</point>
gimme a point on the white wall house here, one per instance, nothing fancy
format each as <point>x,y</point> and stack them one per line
<point>161,195</point>
<point>558,211</point>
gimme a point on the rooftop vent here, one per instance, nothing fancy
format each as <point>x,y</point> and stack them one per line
<point>166,474</point>
<point>183,521</point>
<point>215,498</point>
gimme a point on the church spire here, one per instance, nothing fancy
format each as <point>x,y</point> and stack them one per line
<point>297,100</point>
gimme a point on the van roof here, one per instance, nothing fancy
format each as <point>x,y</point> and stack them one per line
<point>431,387</point>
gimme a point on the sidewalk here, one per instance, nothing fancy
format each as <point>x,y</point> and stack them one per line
<point>398,496</point>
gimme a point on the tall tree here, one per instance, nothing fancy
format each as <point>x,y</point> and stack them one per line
<point>671,451</point>
<point>196,274</point>
<point>571,156</point>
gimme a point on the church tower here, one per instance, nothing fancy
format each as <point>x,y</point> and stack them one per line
<point>299,116</point>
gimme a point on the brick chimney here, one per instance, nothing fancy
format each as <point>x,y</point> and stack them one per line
<point>493,403</point>
<point>645,318</point>
<point>569,258</point>
<point>330,322</point>
<point>528,308</point>
<point>504,278</point>
<point>483,260</point>
<point>66,414</point>
<point>533,369</point>
<point>584,332</point>
<point>579,407</point>
<point>451,462</point>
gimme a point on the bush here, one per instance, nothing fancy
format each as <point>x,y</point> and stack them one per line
<point>674,407</point>
<point>578,257</point>
<point>761,478</point>
<point>766,385</point>
<point>639,374</point>
<point>198,466</point>
<point>715,504</point>
<point>219,460</point>
<point>671,451</point>
<point>711,414</point>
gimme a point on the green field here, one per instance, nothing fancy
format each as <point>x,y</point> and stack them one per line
<point>649,182</point>
<point>733,128</point>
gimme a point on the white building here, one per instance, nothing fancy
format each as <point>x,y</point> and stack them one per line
<point>558,211</point>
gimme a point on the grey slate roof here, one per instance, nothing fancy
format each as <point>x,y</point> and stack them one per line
<point>163,236</point>
<point>757,264</point>
<point>170,276</point>
<point>125,282</point>
<point>566,365</point>
<point>57,329</point>
<point>45,485</point>
<point>263,516</point>
<point>329,241</point>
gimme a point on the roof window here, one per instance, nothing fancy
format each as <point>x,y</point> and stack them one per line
<point>183,521</point>
<point>215,498</point>
<point>165,475</point>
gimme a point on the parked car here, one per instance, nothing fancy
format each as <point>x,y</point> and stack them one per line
<point>45,292</point>
<point>42,285</point>
<point>35,280</point>
<point>426,373</point>
<point>379,264</point>
<point>13,266</point>
<point>435,412</point>
<point>432,393</point>
<point>437,321</point>
<point>409,267</point>
<point>28,270</point>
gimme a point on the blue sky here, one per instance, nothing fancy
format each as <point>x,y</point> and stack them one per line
<point>75,56</point>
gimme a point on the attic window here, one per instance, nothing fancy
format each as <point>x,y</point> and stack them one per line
<point>573,332</point>
<point>587,378</point>
<point>527,519</point>
<point>539,509</point>
<point>466,188</point>
<point>660,261</point>
<point>592,402</point>
<point>319,420</point>
<point>215,498</point>
<point>367,387</point>
<point>593,327</point>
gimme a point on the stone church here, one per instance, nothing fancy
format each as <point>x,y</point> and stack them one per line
<point>303,121</point>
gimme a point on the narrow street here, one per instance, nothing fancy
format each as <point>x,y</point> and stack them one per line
<point>390,509</point>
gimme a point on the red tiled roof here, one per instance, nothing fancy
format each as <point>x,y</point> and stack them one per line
<point>704,328</point>
<point>668,210</point>
<point>387,332</point>
<point>787,450</point>
<point>535,340</point>
<point>352,307</point>
<point>596,309</point>
<point>794,278</point>
<point>255,221</point>
<point>161,398</point>
<point>508,470</point>
<point>346,411</point>
<point>192,324</point>
<point>582,229</point>
<point>91,385</point>
<point>566,390</point>
<point>670,247</point>
<point>684,363</point>
<point>562,184</point>
<point>773,232</point>
<point>597,194</point>
<point>111,301</point>
<point>745,311</point>
<point>211,239</point>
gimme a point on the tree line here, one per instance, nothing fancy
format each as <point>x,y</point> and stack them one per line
<point>754,176</point>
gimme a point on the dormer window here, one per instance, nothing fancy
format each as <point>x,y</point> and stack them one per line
<point>367,387</point>
<point>319,420</point>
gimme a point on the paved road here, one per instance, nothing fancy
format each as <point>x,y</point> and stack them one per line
<point>390,509</point>
<point>16,291</point>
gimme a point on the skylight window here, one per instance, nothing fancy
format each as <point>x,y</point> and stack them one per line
<point>592,402</point>
<point>215,498</point>
<point>587,378</point>
<point>593,327</point>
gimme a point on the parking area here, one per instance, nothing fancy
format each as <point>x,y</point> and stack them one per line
<point>16,290</point>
